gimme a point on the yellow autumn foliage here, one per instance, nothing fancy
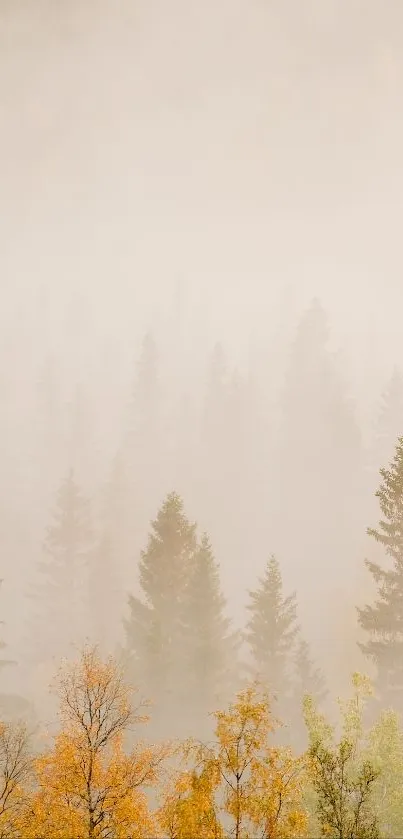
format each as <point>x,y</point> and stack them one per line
<point>241,786</point>
<point>86,786</point>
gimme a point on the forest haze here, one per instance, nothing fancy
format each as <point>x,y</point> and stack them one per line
<point>201,353</point>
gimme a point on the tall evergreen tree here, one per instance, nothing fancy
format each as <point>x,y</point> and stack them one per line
<point>154,628</point>
<point>319,479</point>
<point>227,468</point>
<point>61,594</point>
<point>211,646</point>
<point>383,621</point>
<point>271,631</point>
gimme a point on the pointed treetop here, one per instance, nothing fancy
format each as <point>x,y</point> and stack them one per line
<point>390,494</point>
<point>272,627</point>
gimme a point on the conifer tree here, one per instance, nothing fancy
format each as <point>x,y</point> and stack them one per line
<point>383,621</point>
<point>319,446</point>
<point>272,630</point>
<point>61,596</point>
<point>211,644</point>
<point>154,628</point>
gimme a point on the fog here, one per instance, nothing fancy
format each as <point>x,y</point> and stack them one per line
<point>199,173</point>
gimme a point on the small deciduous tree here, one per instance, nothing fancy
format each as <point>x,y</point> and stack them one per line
<point>15,774</point>
<point>341,773</point>
<point>240,785</point>
<point>87,786</point>
<point>385,749</point>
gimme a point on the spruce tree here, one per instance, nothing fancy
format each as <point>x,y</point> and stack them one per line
<point>211,645</point>
<point>154,628</point>
<point>383,621</point>
<point>271,631</point>
<point>61,594</point>
<point>318,456</point>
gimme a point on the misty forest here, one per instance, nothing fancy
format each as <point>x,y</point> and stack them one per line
<point>201,424</point>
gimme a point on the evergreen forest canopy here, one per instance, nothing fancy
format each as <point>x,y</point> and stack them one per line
<point>175,719</point>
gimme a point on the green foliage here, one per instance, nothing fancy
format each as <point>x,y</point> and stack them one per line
<point>210,644</point>
<point>154,629</point>
<point>383,621</point>
<point>61,596</point>
<point>272,630</point>
<point>341,772</point>
<point>385,748</point>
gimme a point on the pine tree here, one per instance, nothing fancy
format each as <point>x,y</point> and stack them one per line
<point>320,449</point>
<point>61,595</point>
<point>211,645</point>
<point>383,621</point>
<point>154,629</point>
<point>271,631</point>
